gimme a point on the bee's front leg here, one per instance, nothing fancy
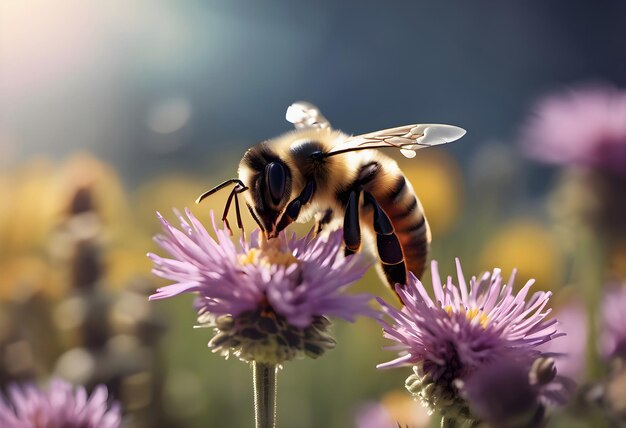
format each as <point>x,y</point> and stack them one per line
<point>322,218</point>
<point>293,209</point>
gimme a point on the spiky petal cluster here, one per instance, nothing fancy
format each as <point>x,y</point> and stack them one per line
<point>61,406</point>
<point>267,298</point>
<point>478,323</point>
<point>462,329</point>
<point>584,127</point>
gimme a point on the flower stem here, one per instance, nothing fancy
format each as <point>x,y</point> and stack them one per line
<point>264,378</point>
<point>591,256</point>
<point>448,422</point>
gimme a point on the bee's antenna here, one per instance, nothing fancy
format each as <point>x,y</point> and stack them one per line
<point>352,149</point>
<point>219,187</point>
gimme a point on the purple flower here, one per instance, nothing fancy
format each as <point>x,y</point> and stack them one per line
<point>502,395</point>
<point>258,288</point>
<point>374,415</point>
<point>569,349</point>
<point>613,331</point>
<point>586,126</point>
<point>510,394</point>
<point>473,324</point>
<point>61,406</point>
<point>396,409</point>
<point>461,330</point>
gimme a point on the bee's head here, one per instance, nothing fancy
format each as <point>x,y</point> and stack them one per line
<point>269,181</point>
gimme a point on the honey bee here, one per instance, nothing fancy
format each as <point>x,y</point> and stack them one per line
<point>317,171</point>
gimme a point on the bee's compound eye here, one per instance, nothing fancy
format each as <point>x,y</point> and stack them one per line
<point>276,179</point>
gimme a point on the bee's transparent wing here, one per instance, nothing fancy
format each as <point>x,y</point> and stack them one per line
<point>305,115</point>
<point>408,139</point>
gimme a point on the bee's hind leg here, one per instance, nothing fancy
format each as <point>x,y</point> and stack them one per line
<point>389,248</point>
<point>351,226</point>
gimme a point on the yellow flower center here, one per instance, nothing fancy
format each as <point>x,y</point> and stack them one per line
<point>270,254</point>
<point>470,314</point>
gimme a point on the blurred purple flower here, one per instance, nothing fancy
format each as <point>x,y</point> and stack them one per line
<point>374,415</point>
<point>569,350</point>
<point>613,331</point>
<point>61,406</point>
<point>586,126</point>
<point>267,299</point>
<point>463,329</point>
<point>501,395</point>
<point>396,409</point>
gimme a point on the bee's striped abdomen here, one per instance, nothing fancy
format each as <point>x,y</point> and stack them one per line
<point>397,198</point>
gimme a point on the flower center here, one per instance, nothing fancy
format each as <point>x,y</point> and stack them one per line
<point>269,255</point>
<point>471,314</point>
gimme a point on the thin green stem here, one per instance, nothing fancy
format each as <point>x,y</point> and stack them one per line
<point>448,422</point>
<point>264,378</point>
<point>590,260</point>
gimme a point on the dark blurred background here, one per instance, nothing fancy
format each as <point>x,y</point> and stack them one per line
<point>117,109</point>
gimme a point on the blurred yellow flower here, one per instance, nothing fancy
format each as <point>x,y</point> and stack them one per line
<point>84,171</point>
<point>436,178</point>
<point>28,207</point>
<point>6,183</point>
<point>404,410</point>
<point>528,246</point>
<point>164,192</point>
<point>124,265</point>
<point>37,196</point>
<point>25,276</point>
<point>618,261</point>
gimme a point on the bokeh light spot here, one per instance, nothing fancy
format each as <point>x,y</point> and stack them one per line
<point>528,246</point>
